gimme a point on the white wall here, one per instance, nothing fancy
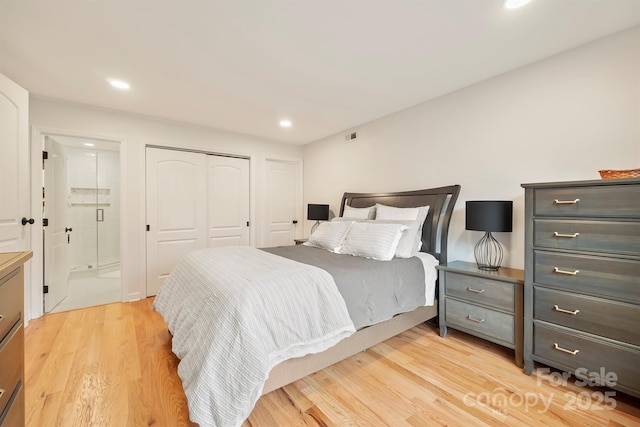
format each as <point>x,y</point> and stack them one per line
<point>135,132</point>
<point>563,118</point>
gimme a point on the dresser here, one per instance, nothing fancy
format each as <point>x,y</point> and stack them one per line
<point>487,304</point>
<point>582,280</point>
<point>12,405</point>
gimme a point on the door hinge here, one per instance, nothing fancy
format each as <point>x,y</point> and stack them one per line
<point>45,222</point>
<point>45,155</point>
<point>45,289</point>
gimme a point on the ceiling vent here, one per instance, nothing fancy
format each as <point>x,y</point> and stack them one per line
<point>351,136</point>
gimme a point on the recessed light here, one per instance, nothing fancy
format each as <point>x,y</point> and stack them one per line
<point>285,123</point>
<point>119,84</point>
<point>88,144</point>
<point>514,4</point>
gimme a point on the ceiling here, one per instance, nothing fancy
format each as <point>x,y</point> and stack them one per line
<point>242,66</point>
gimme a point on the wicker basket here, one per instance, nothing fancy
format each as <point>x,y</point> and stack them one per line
<point>612,174</point>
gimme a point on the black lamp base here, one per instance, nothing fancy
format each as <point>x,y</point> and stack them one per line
<point>488,252</point>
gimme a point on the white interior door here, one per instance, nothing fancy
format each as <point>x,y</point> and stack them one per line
<point>57,233</point>
<point>228,199</point>
<point>281,203</point>
<point>176,210</point>
<point>14,167</point>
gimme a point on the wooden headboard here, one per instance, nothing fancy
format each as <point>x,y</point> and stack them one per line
<point>436,226</point>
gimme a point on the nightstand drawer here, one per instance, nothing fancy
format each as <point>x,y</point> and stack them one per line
<point>479,290</point>
<point>572,351</point>
<point>611,277</point>
<point>494,324</point>
<point>598,236</point>
<point>612,319</point>
<point>592,201</point>
<point>11,357</point>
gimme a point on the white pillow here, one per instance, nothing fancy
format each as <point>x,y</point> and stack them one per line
<point>343,219</point>
<point>329,235</point>
<point>359,213</point>
<point>392,212</point>
<point>411,239</point>
<point>372,240</point>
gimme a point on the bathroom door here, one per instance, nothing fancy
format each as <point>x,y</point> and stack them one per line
<point>57,235</point>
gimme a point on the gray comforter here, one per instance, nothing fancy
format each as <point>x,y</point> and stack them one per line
<point>373,291</point>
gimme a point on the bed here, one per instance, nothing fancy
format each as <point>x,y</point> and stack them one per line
<point>300,329</point>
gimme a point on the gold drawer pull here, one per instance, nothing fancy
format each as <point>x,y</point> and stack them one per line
<point>475,320</point>
<point>571,273</point>
<point>1,317</point>
<point>2,392</point>
<point>475,291</point>
<point>566,202</point>
<point>556,234</point>
<point>562,310</point>
<point>557,347</point>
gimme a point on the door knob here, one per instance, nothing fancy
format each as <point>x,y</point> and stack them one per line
<point>25,221</point>
<point>66,230</point>
<point>295,221</point>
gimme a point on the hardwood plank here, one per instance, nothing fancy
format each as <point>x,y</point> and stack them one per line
<point>113,365</point>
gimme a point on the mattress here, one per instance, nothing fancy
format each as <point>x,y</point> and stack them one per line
<point>374,291</point>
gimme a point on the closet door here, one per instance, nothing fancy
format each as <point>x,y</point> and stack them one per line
<point>281,203</point>
<point>176,187</point>
<point>228,198</point>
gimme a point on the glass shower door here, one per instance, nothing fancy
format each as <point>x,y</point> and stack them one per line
<point>107,209</point>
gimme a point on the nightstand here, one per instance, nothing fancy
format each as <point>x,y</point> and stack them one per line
<point>487,304</point>
<point>300,241</point>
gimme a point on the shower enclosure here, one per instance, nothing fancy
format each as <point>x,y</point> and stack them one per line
<point>94,210</point>
<point>82,238</point>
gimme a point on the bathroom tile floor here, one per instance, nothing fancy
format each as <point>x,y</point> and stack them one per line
<point>90,291</point>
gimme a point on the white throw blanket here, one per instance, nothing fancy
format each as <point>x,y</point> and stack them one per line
<point>235,313</point>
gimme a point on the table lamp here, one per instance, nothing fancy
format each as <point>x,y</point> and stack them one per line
<point>317,213</point>
<point>489,216</point>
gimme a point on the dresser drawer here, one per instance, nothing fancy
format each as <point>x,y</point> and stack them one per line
<point>11,301</point>
<point>610,277</point>
<point>493,324</point>
<point>554,347</point>
<point>594,201</point>
<point>599,236</point>
<point>478,290</point>
<point>612,319</point>
<point>11,357</point>
<point>16,412</point>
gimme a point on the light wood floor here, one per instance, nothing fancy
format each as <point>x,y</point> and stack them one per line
<point>112,366</point>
